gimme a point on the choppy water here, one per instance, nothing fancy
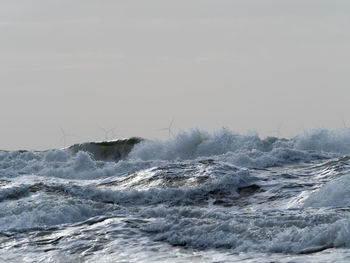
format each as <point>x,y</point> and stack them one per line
<point>198,197</point>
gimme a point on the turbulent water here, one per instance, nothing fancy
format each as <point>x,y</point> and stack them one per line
<point>197,197</point>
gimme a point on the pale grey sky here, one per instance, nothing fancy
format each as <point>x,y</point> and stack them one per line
<point>246,65</point>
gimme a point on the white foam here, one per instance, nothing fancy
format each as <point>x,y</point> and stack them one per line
<point>63,164</point>
<point>333,194</point>
<point>244,150</point>
<point>41,210</point>
<point>332,141</point>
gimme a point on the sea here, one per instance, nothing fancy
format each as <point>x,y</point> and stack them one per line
<point>195,197</point>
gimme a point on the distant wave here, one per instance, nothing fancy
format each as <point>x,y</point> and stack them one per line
<point>248,150</point>
<point>107,150</point>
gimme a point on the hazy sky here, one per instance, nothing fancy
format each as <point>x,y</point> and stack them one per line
<point>247,65</point>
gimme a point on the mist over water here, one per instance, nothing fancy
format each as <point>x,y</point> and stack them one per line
<point>198,196</point>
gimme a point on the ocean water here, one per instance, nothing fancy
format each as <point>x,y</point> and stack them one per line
<point>197,197</point>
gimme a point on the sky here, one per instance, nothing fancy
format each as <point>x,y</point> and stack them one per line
<point>272,67</point>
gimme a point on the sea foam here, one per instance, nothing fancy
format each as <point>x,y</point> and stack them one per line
<point>246,150</point>
<point>333,194</point>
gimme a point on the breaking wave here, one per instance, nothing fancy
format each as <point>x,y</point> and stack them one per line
<point>108,150</point>
<point>246,150</point>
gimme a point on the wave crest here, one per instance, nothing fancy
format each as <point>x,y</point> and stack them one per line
<point>246,150</point>
<point>109,150</point>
